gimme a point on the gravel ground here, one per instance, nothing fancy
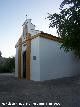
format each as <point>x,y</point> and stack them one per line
<point>22,93</point>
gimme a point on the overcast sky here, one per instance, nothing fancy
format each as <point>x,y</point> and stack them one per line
<point>12,16</point>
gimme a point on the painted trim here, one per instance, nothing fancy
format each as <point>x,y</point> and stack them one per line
<point>19,58</point>
<point>28,49</point>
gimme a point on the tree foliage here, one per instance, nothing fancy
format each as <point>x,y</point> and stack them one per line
<point>7,65</point>
<point>67,23</point>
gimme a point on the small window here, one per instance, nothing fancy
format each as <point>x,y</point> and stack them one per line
<point>34,57</point>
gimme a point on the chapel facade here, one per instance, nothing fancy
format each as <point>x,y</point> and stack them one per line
<point>39,57</point>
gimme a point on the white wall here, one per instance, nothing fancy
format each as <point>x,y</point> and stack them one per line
<point>35,64</point>
<point>28,27</point>
<point>55,63</point>
<point>16,63</point>
<point>34,32</point>
<point>31,28</point>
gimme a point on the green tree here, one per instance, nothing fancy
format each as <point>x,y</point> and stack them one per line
<point>10,64</point>
<point>7,65</point>
<point>67,23</point>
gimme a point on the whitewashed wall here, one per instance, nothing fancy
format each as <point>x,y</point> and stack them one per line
<point>16,63</point>
<point>28,27</point>
<point>55,63</point>
<point>35,64</point>
<point>31,28</point>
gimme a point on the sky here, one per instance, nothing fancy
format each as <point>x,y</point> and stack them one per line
<point>13,14</point>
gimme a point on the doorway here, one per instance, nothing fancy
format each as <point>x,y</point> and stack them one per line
<point>24,64</point>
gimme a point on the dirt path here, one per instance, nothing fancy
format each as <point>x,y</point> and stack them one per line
<point>64,92</point>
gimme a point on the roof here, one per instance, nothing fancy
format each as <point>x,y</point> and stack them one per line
<point>47,36</point>
<point>41,34</point>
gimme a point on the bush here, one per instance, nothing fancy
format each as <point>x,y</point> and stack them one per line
<point>7,65</point>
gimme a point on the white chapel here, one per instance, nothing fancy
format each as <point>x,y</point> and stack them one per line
<point>39,57</point>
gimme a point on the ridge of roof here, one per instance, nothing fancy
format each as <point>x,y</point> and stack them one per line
<point>49,36</point>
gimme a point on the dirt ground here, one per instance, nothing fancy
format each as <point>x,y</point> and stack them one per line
<point>52,93</point>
